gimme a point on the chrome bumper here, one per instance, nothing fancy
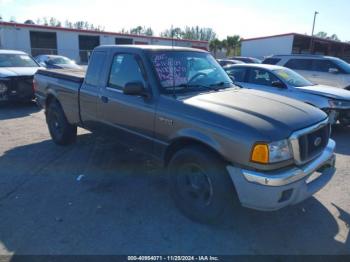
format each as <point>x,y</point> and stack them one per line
<point>269,191</point>
<point>281,178</point>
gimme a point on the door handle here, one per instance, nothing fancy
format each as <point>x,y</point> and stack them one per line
<point>104,99</point>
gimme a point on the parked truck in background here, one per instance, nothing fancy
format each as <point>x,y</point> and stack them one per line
<point>219,143</point>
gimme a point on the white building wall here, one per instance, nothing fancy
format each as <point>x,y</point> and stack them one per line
<point>15,38</point>
<point>68,45</point>
<point>260,48</point>
<point>107,40</point>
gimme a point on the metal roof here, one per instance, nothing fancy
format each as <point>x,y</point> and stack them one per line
<point>295,34</point>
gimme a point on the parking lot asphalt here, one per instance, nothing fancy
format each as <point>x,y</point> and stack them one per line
<point>99,197</point>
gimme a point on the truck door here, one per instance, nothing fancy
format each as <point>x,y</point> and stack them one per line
<point>131,117</point>
<point>89,90</point>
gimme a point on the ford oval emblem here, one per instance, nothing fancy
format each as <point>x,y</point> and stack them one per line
<point>317,141</point>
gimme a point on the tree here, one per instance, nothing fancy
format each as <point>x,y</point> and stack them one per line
<point>215,45</point>
<point>29,22</point>
<point>172,33</point>
<point>140,30</point>
<point>321,34</point>
<point>191,33</point>
<point>232,44</point>
<point>326,36</point>
<point>334,37</point>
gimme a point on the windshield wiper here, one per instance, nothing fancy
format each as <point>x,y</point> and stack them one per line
<point>216,86</point>
<point>194,85</point>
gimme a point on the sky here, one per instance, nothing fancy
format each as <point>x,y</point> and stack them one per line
<point>247,18</point>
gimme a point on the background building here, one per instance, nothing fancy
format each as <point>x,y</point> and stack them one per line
<point>74,43</point>
<point>294,43</point>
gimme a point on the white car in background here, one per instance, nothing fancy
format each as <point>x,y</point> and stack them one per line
<point>283,81</point>
<point>324,70</point>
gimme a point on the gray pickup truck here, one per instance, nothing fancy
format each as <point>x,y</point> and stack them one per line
<point>219,143</point>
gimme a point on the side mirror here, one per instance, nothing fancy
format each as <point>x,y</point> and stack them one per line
<point>134,89</point>
<point>278,84</point>
<point>232,78</point>
<point>333,70</point>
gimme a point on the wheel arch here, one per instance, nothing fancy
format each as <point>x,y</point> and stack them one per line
<point>50,96</point>
<point>184,141</point>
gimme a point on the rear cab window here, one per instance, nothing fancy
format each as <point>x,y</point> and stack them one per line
<point>95,68</point>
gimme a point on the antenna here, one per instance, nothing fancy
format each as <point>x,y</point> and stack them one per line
<point>172,36</point>
<point>173,60</point>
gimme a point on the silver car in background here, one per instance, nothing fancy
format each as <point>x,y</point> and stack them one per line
<point>283,81</point>
<point>56,62</point>
<point>324,70</point>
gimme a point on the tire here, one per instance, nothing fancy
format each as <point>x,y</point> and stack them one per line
<point>61,131</point>
<point>200,184</point>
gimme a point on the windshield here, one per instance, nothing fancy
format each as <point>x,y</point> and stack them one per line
<point>292,78</point>
<point>342,64</point>
<point>17,60</point>
<point>188,71</point>
<point>60,61</point>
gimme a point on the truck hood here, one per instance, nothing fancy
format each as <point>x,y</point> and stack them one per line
<point>327,91</point>
<point>272,116</point>
<point>17,71</point>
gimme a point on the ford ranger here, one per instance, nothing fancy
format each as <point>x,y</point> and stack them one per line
<point>218,142</point>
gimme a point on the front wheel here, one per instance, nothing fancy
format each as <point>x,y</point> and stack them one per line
<point>200,184</point>
<point>61,131</point>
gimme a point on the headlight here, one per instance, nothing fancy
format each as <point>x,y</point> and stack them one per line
<point>3,88</point>
<point>271,153</point>
<point>339,104</point>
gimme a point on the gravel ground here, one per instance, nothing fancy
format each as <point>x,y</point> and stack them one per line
<point>98,197</point>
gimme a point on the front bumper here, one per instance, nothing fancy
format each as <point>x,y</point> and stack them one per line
<point>274,190</point>
<point>18,89</point>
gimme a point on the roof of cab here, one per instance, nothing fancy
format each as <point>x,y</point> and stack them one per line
<point>149,47</point>
<point>4,51</point>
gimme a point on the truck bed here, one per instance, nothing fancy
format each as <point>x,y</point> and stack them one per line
<point>66,74</point>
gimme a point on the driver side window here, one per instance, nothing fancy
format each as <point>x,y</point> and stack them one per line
<point>261,77</point>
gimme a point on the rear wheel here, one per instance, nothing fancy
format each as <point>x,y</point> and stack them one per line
<point>200,184</point>
<point>61,131</point>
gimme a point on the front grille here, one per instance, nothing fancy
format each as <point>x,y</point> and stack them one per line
<point>313,143</point>
<point>23,85</point>
<point>309,142</point>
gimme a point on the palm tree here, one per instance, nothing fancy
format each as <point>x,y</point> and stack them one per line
<point>215,45</point>
<point>232,42</point>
